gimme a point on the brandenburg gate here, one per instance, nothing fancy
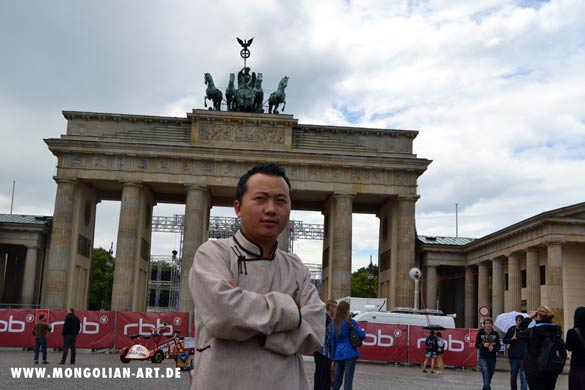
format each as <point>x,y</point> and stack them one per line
<point>196,161</point>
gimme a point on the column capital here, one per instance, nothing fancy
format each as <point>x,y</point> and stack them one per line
<point>350,195</point>
<point>497,260</point>
<point>405,198</point>
<point>62,180</point>
<point>198,187</point>
<point>556,241</point>
<point>514,254</point>
<point>131,184</point>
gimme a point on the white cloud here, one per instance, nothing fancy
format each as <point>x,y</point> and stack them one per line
<point>495,88</point>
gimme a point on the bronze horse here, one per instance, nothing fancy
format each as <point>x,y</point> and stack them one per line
<point>230,92</point>
<point>259,94</point>
<point>278,97</point>
<point>212,93</point>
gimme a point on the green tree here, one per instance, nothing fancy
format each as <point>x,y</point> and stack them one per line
<point>364,282</point>
<point>101,280</point>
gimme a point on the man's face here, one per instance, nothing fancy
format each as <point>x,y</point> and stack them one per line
<point>332,310</point>
<point>518,321</point>
<point>265,208</point>
<point>487,326</point>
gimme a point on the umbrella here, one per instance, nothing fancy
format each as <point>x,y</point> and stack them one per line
<point>505,321</point>
<point>435,327</point>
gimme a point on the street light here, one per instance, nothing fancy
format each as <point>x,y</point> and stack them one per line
<point>109,264</point>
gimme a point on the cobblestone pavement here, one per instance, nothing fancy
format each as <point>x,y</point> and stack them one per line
<point>368,376</point>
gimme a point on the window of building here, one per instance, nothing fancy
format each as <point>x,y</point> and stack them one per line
<point>542,275</point>
<point>523,278</point>
<point>506,282</point>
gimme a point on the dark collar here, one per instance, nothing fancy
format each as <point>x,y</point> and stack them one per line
<point>252,249</point>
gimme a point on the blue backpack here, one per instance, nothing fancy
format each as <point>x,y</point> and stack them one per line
<point>431,344</point>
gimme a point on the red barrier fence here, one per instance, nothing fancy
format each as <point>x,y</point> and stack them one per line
<point>108,329</point>
<point>99,329</point>
<point>406,344</point>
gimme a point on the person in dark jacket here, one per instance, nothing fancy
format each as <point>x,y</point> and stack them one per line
<point>344,354</point>
<point>488,343</point>
<point>323,356</point>
<point>71,328</point>
<point>516,354</point>
<point>576,345</point>
<point>535,337</point>
<point>40,333</point>
<point>431,345</point>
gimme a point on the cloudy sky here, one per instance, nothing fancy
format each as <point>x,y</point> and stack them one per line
<point>496,89</point>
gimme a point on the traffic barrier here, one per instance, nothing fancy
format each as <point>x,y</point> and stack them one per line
<point>110,329</point>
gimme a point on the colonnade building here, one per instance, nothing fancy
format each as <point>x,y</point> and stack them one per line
<point>538,261</point>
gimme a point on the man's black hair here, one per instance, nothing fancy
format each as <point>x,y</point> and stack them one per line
<point>271,169</point>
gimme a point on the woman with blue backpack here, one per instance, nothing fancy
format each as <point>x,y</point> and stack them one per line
<point>546,353</point>
<point>345,333</point>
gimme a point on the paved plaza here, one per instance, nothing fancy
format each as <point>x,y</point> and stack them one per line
<point>368,376</point>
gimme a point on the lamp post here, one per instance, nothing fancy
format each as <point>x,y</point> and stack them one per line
<point>371,277</point>
<point>109,264</point>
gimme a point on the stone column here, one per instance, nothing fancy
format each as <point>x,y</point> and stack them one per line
<point>57,271</point>
<point>497,287</point>
<point>340,249</point>
<point>483,291</point>
<point>405,234</point>
<point>431,291</point>
<point>30,272</point>
<point>196,217</point>
<point>3,263</point>
<point>554,280</point>
<point>514,283</point>
<point>284,239</point>
<point>126,248</point>
<point>532,279</point>
<point>470,301</point>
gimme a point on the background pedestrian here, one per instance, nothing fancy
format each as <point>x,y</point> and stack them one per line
<point>323,356</point>
<point>575,343</point>
<point>430,351</point>
<point>40,333</point>
<point>344,353</point>
<point>488,343</point>
<point>440,352</point>
<point>535,337</point>
<point>516,355</point>
<point>71,328</point>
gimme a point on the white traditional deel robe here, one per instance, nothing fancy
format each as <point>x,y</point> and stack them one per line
<point>274,298</point>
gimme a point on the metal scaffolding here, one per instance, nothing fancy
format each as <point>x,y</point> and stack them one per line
<point>164,273</point>
<point>224,227</point>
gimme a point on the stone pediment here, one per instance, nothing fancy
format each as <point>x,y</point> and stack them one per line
<point>573,212</point>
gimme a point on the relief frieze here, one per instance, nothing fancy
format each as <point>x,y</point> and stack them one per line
<point>238,133</point>
<point>236,169</point>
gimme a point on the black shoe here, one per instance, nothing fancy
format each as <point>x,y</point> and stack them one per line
<point>72,362</point>
<point>61,362</point>
<point>36,362</point>
<point>45,362</point>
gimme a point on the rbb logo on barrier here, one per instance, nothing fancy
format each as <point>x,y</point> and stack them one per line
<point>87,327</point>
<point>145,328</point>
<point>12,325</point>
<point>458,352</point>
<point>384,342</point>
<point>379,339</point>
<point>130,323</point>
<point>450,344</point>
